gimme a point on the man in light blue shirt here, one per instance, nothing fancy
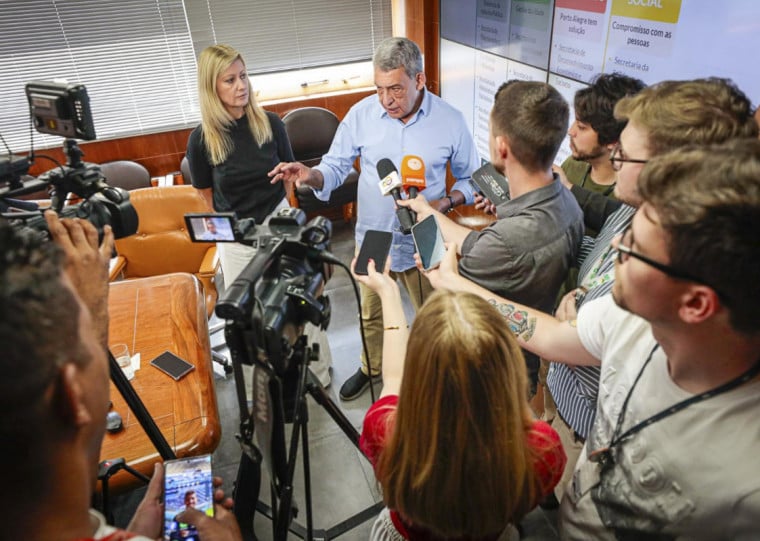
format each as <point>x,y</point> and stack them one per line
<point>406,120</point>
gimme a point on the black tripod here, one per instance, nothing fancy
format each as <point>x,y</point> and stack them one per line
<point>284,402</point>
<point>110,467</point>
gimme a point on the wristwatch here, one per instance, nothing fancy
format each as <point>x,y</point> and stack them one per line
<point>451,203</point>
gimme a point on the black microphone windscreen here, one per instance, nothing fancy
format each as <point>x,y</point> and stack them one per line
<point>385,167</point>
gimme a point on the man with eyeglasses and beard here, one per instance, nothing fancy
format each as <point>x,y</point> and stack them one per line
<point>670,452</point>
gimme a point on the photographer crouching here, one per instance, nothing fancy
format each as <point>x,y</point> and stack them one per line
<point>54,393</point>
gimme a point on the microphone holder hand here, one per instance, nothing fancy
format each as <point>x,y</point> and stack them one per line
<point>407,218</point>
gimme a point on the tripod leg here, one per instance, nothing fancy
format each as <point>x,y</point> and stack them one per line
<point>106,502</point>
<point>307,475</point>
<point>317,392</point>
<point>138,408</point>
<point>246,495</point>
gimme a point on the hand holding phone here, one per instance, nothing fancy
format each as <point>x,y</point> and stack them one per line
<point>492,184</point>
<point>187,484</point>
<point>429,242</point>
<point>375,246</point>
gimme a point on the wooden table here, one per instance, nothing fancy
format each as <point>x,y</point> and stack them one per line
<point>469,216</point>
<point>152,315</point>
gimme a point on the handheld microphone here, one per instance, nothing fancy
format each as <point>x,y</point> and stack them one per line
<point>413,175</point>
<point>390,184</point>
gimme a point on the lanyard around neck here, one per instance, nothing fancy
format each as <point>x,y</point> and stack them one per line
<point>603,454</point>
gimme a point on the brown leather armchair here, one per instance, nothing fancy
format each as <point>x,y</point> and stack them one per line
<point>311,131</point>
<point>162,244</point>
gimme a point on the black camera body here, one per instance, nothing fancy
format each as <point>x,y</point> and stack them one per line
<point>110,207</point>
<point>280,288</point>
<point>60,108</point>
<point>101,204</point>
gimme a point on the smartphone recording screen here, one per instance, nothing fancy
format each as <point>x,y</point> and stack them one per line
<point>429,242</point>
<point>187,484</point>
<point>211,227</point>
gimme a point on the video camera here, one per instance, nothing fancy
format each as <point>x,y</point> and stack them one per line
<point>60,108</point>
<point>280,288</point>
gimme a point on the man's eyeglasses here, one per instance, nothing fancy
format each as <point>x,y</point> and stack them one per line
<point>617,160</point>
<point>625,251</point>
<point>397,91</point>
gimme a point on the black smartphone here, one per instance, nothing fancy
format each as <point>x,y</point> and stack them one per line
<point>172,365</point>
<point>491,184</point>
<point>187,484</point>
<point>429,242</point>
<point>375,246</point>
<point>211,227</point>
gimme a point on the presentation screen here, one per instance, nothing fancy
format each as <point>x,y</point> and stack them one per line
<point>568,42</point>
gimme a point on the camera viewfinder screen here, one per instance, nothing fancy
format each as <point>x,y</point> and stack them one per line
<point>210,228</point>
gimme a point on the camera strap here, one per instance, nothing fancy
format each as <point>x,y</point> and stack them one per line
<point>262,413</point>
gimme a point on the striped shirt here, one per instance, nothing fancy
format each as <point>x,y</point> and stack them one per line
<point>575,388</point>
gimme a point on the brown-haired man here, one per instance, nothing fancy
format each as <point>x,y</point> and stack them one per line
<point>593,135</point>
<point>527,252</point>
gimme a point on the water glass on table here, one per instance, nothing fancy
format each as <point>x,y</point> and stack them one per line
<point>123,359</point>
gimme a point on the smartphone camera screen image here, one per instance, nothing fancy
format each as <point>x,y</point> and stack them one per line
<point>429,242</point>
<point>187,484</point>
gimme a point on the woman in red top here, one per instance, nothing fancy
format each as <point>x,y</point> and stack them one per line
<point>452,438</point>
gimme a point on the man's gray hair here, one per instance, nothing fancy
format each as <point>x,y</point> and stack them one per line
<point>394,53</point>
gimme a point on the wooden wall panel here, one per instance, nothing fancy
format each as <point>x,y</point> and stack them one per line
<point>422,27</point>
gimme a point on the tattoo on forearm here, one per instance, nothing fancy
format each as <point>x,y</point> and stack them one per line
<point>519,322</point>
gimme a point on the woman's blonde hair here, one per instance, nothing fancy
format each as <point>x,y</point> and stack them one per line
<point>213,61</point>
<point>457,462</point>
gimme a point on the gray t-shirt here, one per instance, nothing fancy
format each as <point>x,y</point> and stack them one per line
<point>693,475</point>
<point>525,254</point>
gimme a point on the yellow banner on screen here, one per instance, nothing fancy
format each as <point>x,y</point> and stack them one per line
<point>664,11</point>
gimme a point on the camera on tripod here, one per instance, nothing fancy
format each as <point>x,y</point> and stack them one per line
<point>60,108</point>
<point>280,288</point>
<point>266,308</point>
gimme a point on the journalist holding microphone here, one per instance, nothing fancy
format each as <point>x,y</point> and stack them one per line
<point>404,119</point>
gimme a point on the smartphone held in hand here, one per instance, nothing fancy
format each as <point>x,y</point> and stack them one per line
<point>187,484</point>
<point>375,246</point>
<point>428,241</point>
<point>491,184</point>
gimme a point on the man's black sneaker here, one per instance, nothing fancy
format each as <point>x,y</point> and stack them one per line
<point>356,385</point>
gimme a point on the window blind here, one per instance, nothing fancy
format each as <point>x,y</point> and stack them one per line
<point>286,35</point>
<point>134,56</point>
